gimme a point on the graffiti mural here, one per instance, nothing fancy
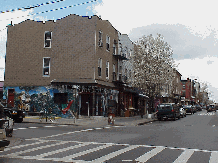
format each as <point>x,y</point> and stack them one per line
<point>38,99</point>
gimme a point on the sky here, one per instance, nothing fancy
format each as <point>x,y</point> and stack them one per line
<point>188,26</point>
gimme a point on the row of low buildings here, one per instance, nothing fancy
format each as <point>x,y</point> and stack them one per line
<point>84,59</point>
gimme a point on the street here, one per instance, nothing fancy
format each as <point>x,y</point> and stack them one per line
<point>192,139</point>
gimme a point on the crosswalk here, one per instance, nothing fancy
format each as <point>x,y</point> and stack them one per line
<point>96,152</point>
<point>208,114</point>
<point>22,128</point>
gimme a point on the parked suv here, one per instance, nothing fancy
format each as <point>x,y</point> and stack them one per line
<point>211,108</point>
<point>168,110</point>
<point>189,109</point>
<point>16,114</point>
<point>198,107</point>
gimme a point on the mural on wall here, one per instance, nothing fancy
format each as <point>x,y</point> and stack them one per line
<point>39,99</point>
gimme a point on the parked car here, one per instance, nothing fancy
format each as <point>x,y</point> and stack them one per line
<point>211,108</point>
<point>194,108</point>
<point>3,141</point>
<point>182,112</point>
<point>189,109</point>
<point>204,107</point>
<point>198,107</point>
<point>168,110</point>
<point>11,112</point>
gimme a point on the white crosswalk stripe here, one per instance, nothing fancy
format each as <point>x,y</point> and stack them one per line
<point>21,128</point>
<point>184,156</point>
<point>150,154</point>
<point>30,151</point>
<point>13,155</point>
<point>55,152</point>
<point>114,154</point>
<point>69,158</point>
<point>214,157</point>
<point>20,146</point>
<point>32,127</point>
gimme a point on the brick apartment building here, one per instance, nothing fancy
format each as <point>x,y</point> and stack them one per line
<point>186,91</point>
<point>177,87</point>
<point>72,51</point>
<point>74,58</point>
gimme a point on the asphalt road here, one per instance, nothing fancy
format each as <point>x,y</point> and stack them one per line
<point>192,139</point>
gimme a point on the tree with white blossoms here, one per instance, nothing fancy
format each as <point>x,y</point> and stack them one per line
<point>153,65</point>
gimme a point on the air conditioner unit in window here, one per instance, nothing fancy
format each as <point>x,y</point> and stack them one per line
<point>100,44</point>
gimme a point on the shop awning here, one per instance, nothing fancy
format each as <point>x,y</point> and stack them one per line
<point>81,82</point>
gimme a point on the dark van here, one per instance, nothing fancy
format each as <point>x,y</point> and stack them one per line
<point>168,110</point>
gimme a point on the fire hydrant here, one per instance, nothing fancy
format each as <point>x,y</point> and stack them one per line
<point>110,120</point>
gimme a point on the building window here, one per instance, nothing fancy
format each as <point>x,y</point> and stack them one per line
<point>46,66</point>
<point>114,49</point>
<point>48,36</point>
<point>114,72</point>
<point>108,43</point>
<point>107,69</point>
<point>99,66</point>
<point>100,41</point>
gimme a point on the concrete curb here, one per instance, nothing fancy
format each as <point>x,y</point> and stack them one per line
<point>143,123</point>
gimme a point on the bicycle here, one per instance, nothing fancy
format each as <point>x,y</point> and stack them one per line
<point>51,117</point>
<point>42,116</point>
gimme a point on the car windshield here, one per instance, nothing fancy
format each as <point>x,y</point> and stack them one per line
<point>164,107</point>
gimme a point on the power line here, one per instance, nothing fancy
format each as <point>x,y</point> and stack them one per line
<point>32,6</point>
<point>61,8</point>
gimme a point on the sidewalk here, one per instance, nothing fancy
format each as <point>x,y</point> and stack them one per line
<point>93,121</point>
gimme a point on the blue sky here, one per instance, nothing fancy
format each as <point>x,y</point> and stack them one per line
<point>79,10</point>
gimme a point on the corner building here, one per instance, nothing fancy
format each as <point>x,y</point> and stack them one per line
<point>69,59</point>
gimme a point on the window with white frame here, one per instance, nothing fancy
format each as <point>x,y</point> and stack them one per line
<point>107,69</point>
<point>108,43</point>
<point>99,66</point>
<point>48,35</point>
<point>46,66</point>
<point>100,41</point>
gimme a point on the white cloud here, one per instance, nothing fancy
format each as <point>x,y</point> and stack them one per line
<point>202,71</point>
<point>125,15</point>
